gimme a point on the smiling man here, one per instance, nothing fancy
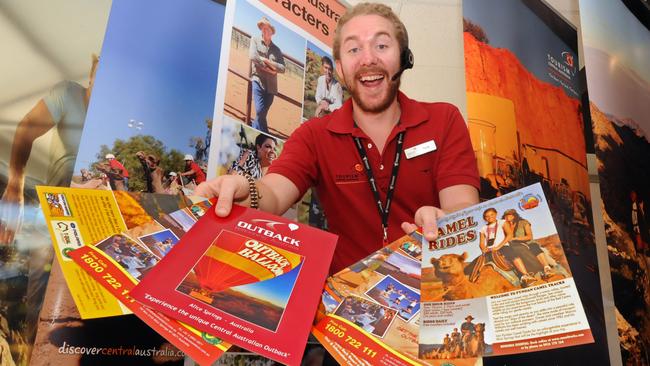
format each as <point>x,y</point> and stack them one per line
<point>329,93</point>
<point>383,164</point>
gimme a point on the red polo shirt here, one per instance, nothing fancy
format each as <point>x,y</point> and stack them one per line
<point>321,153</point>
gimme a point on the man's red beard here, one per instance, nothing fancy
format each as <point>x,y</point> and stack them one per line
<point>391,93</point>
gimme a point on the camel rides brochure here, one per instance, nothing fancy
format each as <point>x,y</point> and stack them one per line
<point>496,281</point>
<point>252,279</point>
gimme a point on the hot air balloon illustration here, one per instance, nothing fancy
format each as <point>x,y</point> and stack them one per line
<point>233,260</point>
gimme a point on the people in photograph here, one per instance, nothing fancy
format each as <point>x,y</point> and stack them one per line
<point>113,249</point>
<point>411,305</point>
<point>365,321</point>
<point>118,167</point>
<point>64,109</point>
<point>172,184</point>
<point>377,121</point>
<point>455,338</point>
<point>468,326</point>
<point>132,264</point>
<point>165,246</point>
<point>399,298</point>
<point>494,240</point>
<point>638,219</point>
<point>153,173</point>
<point>492,235</point>
<point>329,93</point>
<point>385,318</point>
<point>115,177</point>
<point>256,162</point>
<point>148,259</point>
<point>86,175</point>
<point>267,61</point>
<point>193,171</point>
<point>446,342</point>
<point>523,246</point>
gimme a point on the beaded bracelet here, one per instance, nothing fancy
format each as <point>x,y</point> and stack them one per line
<point>253,193</point>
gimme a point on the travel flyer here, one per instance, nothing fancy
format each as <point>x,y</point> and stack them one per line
<point>77,217</point>
<point>252,279</point>
<point>117,263</point>
<point>497,281</point>
<point>370,311</point>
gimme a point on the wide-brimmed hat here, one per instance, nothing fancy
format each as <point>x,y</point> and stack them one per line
<point>469,317</point>
<point>265,21</point>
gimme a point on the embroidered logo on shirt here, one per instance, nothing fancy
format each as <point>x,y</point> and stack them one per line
<point>347,178</point>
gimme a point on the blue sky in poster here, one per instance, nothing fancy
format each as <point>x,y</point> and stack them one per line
<point>512,25</point>
<point>158,65</point>
<point>609,26</point>
<point>276,290</point>
<point>246,18</point>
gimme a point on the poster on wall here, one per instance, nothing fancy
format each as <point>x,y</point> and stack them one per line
<point>526,126</point>
<point>46,88</point>
<point>151,113</point>
<point>276,72</point>
<point>46,83</point>
<point>141,80</point>
<point>24,271</point>
<point>616,52</point>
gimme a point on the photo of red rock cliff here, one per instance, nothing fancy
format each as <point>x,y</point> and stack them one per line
<point>525,129</point>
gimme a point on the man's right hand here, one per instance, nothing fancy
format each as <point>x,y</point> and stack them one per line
<point>228,188</point>
<point>11,213</point>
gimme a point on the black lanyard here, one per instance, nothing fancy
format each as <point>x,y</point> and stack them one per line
<point>383,209</point>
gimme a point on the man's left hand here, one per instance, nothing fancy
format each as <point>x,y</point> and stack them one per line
<point>427,218</point>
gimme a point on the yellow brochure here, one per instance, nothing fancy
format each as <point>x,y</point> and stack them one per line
<point>78,217</point>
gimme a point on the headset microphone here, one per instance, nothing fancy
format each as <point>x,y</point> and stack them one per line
<point>406,62</point>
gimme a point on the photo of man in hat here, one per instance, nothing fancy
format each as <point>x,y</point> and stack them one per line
<point>468,326</point>
<point>266,62</point>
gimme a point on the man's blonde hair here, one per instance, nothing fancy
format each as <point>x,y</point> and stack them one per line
<point>371,9</point>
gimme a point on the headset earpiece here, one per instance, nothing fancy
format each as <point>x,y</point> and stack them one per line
<point>407,59</point>
<point>405,63</point>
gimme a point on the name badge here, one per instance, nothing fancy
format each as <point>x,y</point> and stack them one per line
<point>420,149</point>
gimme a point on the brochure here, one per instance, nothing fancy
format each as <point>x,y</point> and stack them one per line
<point>120,260</point>
<point>496,282</point>
<point>78,217</point>
<point>370,311</point>
<point>252,279</point>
